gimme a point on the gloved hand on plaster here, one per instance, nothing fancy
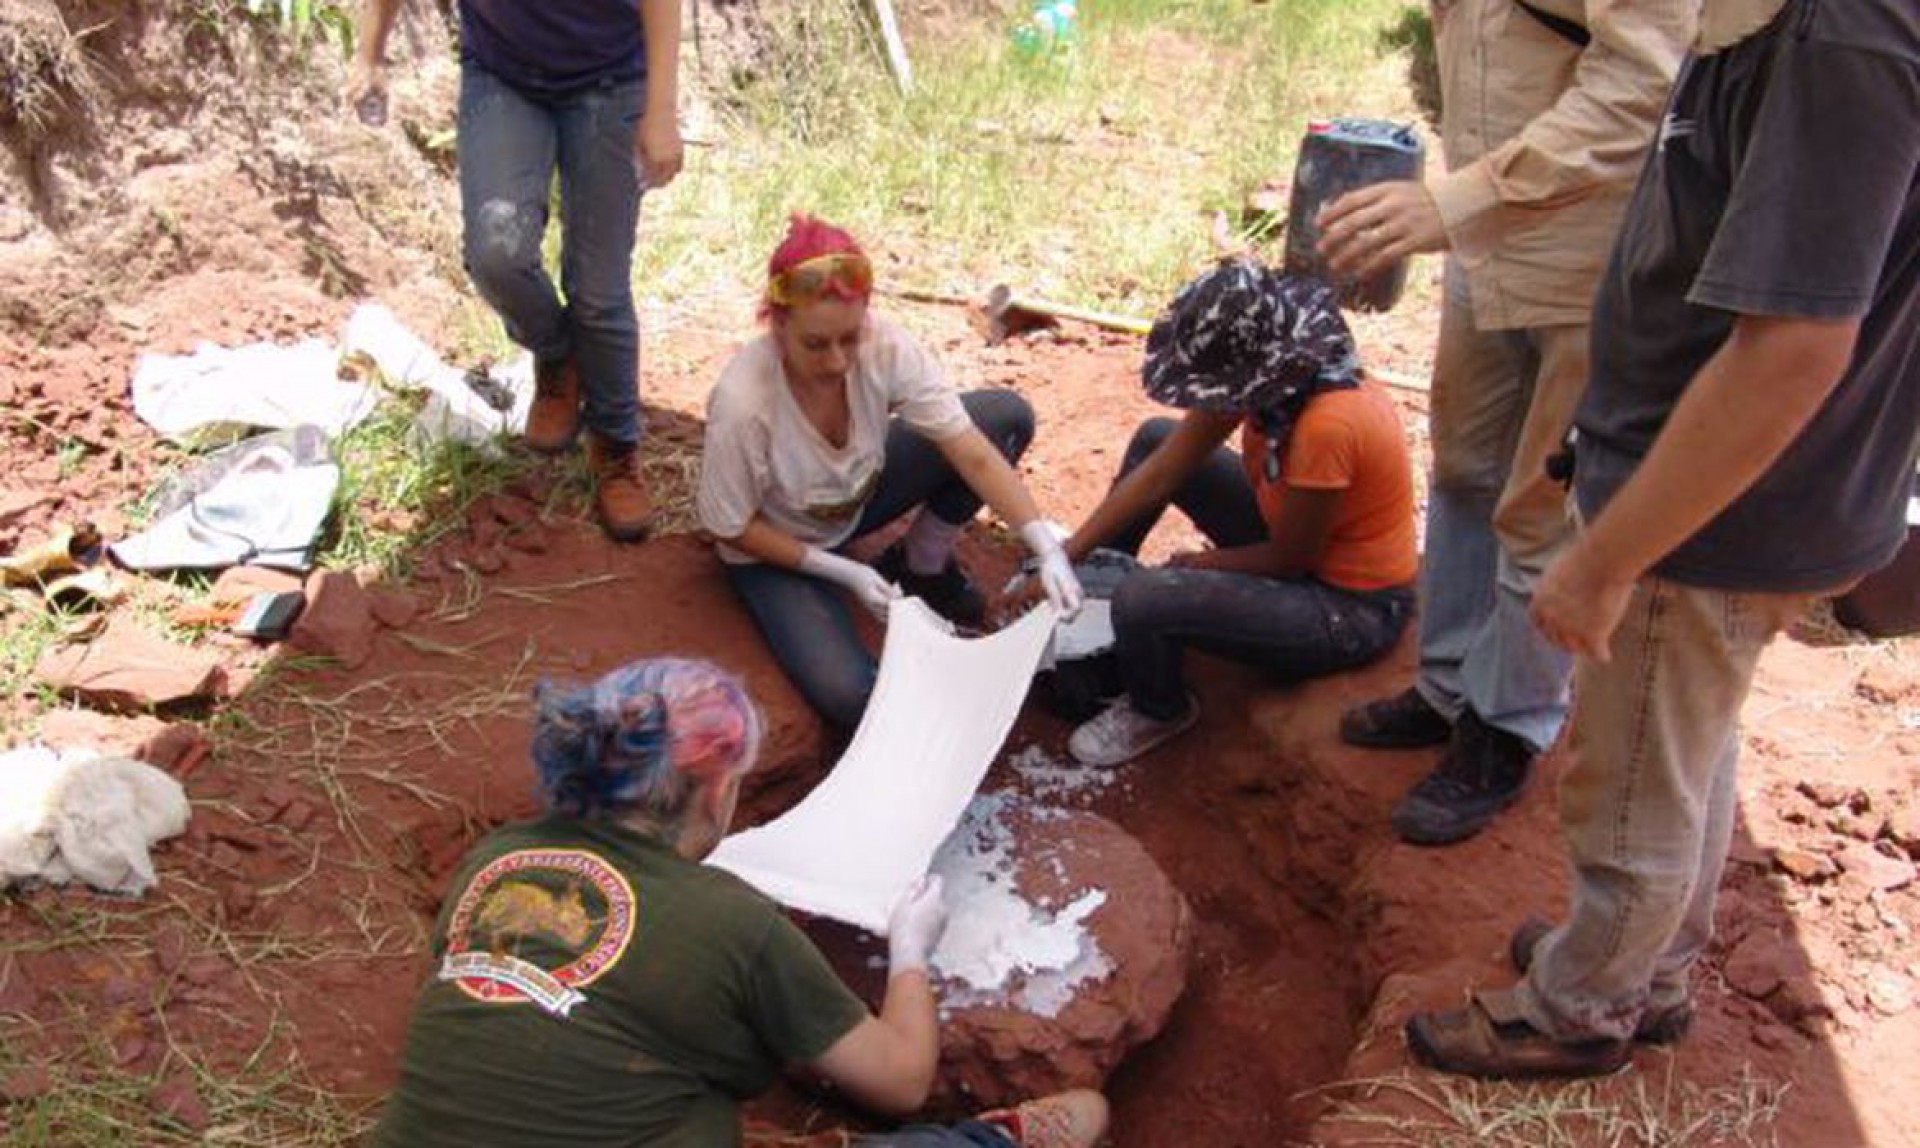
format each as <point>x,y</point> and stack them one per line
<point>914,927</point>
<point>858,578</point>
<point>1062,586</point>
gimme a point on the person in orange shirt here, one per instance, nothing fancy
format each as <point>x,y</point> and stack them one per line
<point>1312,520</point>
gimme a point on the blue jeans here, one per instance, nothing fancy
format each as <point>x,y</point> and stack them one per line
<point>1502,401</point>
<point>807,622</point>
<point>1295,627</point>
<point>966,1134</point>
<point>511,146</point>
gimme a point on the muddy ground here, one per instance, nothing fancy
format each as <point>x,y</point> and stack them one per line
<point>289,922</point>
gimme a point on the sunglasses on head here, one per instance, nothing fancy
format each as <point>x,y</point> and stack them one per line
<point>844,274</point>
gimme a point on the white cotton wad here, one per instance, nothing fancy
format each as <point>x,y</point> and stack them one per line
<point>80,817</point>
<point>1000,947</point>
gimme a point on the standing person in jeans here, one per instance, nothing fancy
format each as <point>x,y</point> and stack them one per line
<point>1547,110</point>
<point>1312,521</point>
<point>1747,443</point>
<point>830,426</point>
<point>587,91</point>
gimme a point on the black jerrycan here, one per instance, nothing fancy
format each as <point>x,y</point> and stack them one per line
<point>1337,156</point>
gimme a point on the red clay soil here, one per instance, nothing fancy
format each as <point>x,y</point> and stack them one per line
<point>298,901</point>
<point>291,917</point>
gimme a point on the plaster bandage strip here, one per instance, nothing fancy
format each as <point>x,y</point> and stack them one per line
<point>940,710</point>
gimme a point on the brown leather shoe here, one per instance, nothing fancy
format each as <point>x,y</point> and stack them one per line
<point>554,418</point>
<point>1656,1025</point>
<point>620,490</point>
<point>1489,1039</point>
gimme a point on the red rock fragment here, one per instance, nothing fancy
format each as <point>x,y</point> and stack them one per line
<point>30,1083</point>
<point>179,1101</point>
<point>1761,963</point>
<point>392,607</point>
<point>170,948</point>
<point>1803,865</point>
<point>127,668</point>
<point>241,583</point>
<point>338,621</point>
<point>1875,869</point>
<point>178,749</point>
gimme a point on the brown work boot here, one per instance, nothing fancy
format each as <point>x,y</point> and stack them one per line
<point>620,490</point>
<point>554,418</point>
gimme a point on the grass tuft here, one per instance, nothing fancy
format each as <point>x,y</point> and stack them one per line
<point>398,493</point>
<point>91,1102</point>
<point>1633,1110</point>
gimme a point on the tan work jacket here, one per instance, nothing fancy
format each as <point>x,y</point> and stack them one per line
<point>1543,141</point>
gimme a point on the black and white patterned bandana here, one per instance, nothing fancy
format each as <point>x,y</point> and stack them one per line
<point>1244,338</point>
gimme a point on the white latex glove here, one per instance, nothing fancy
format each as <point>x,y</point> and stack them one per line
<point>914,927</point>
<point>865,583</point>
<point>1056,572</point>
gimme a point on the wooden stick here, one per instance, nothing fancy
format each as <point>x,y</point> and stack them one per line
<point>1002,301</point>
<point>897,62</point>
<point>916,295</point>
<point>1399,382</point>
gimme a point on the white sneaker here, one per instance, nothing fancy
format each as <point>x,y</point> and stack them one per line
<point>1122,733</point>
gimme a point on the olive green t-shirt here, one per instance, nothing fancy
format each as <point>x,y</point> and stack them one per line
<point>593,987</point>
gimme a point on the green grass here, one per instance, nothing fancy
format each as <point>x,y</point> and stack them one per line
<point>399,493</point>
<point>1086,177</point>
<point>28,630</point>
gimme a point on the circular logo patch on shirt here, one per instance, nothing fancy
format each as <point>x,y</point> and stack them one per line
<point>537,926</point>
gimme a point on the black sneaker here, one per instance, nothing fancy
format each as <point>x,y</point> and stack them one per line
<point>949,593</point>
<point>1483,771</point>
<point>1403,721</point>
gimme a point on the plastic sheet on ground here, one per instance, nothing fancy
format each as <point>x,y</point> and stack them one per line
<point>260,501</point>
<point>456,408</point>
<point>217,394</point>
<point>939,713</point>
<point>82,817</point>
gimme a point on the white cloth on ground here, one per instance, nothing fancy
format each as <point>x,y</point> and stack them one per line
<point>940,710</point>
<point>454,408</point>
<point>80,817</point>
<point>262,501</point>
<point>220,393</point>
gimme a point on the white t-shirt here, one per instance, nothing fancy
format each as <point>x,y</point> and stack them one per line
<point>763,456</point>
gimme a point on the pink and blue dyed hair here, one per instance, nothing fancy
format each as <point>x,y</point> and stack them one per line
<point>644,738</point>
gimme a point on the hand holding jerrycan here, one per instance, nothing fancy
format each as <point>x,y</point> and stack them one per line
<point>1336,157</point>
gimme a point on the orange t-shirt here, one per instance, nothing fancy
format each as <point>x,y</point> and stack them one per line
<point>1348,440</point>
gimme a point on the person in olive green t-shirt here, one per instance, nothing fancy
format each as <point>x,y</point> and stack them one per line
<point>595,985</point>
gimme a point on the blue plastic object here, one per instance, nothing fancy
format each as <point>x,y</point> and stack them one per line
<point>1050,31</point>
